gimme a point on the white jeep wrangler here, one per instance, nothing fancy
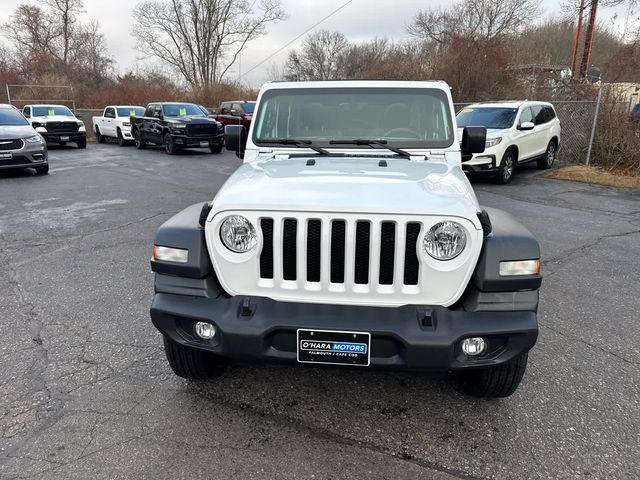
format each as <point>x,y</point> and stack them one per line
<point>350,236</point>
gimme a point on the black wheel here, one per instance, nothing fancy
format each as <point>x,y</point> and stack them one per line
<point>215,148</point>
<point>42,170</point>
<point>169,145</point>
<point>82,143</point>
<point>138,140</point>
<point>495,382</point>
<point>549,156</point>
<point>507,167</point>
<point>121,141</point>
<point>99,136</point>
<point>193,364</point>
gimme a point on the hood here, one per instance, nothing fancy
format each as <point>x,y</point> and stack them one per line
<point>190,120</point>
<point>55,118</point>
<point>352,185</point>
<point>491,132</point>
<point>11,132</point>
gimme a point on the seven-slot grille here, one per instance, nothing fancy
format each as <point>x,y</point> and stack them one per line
<point>15,144</point>
<point>355,253</point>
<point>62,127</point>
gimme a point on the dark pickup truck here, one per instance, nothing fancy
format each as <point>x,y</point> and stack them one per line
<point>238,112</point>
<point>176,126</point>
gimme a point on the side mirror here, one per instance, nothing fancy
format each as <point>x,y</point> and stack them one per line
<point>526,126</point>
<point>27,114</point>
<point>158,115</point>
<point>473,140</point>
<point>235,139</point>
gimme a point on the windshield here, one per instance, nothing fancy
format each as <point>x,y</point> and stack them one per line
<point>248,107</point>
<point>9,116</point>
<point>405,117</point>
<point>182,110</point>
<point>51,110</point>
<point>130,111</point>
<point>490,117</point>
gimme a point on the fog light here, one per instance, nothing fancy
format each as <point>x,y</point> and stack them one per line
<point>205,330</point>
<point>473,346</point>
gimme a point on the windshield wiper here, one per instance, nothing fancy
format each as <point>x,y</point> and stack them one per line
<point>381,143</point>
<point>297,143</point>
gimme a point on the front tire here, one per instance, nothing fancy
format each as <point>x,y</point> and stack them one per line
<point>193,364</point>
<point>99,136</point>
<point>507,167</point>
<point>169,145</point>
<point>138,140</point>
<point>549,156</point>
<point>44,170</point>
<point>121,141</point>
<point>495,382</point>
<point>82,143</point>
<point>215,148</point>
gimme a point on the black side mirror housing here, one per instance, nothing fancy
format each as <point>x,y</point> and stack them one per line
<point>473,140</point>
<point>235,139</point>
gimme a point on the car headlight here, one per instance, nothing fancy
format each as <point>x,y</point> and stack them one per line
<point>80,123</point>
<point>34,139</point>
<point>126,124</point>
<point>237,234</point>
<point>445,240</point>
<point>492,142</point>
<point>179,125</point>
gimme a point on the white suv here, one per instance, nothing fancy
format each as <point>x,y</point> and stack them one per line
<point>517,132</point>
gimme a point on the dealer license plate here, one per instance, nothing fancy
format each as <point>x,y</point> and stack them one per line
<point>204,144</point>
<point>6,156</point>
<point>64,138</point>
<point>334,347</point>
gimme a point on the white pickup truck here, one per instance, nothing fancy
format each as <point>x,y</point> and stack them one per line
<point>115,123</point>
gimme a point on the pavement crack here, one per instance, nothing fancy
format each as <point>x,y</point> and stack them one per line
<point>592,345</point>
<point>581,250</point>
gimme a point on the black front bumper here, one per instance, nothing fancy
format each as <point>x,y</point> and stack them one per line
<point>195,142</point>
<point>484,168</point>
<point>58,137</point>
<point>410,337</point>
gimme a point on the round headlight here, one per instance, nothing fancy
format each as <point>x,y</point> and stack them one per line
<point>237,234</point>
<point>445,240</point>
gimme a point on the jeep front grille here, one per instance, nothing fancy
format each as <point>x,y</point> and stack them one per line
<point>360,252</point>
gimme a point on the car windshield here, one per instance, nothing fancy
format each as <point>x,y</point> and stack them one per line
<point>51,110</point>
<point>404,117</point>
<point>490,117</point>
<point>9,116</point>
<point>182,110</point>
<point>130,111</point>
<point>248,107</point>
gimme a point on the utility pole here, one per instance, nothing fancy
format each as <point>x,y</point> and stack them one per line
<point>588,40</point>
<point>577,39</point>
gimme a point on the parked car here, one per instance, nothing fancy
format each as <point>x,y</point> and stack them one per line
<point>238,112</point>
<point>176,126</point>
<point>115,122</point>
<point>517,133</point>
<point>57,124</point>
<point>362,251</point>
<point>20,145</point>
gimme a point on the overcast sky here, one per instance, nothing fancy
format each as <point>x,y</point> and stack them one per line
<point>361,19</point>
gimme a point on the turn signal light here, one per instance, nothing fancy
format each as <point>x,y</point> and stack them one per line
<point>520,267</point>
<point>168,254</point>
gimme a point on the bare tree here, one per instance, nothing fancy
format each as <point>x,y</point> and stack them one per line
<point>201,39</point>
<point>65,14</point>
<point>319,58</point>
<point>475,19</point>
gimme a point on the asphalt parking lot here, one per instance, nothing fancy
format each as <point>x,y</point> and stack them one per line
<point>85,391</point>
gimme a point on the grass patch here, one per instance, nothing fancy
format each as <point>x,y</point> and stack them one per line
<point>582,173</point>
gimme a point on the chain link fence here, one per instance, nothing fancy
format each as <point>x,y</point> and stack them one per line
<point>576,119</point>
